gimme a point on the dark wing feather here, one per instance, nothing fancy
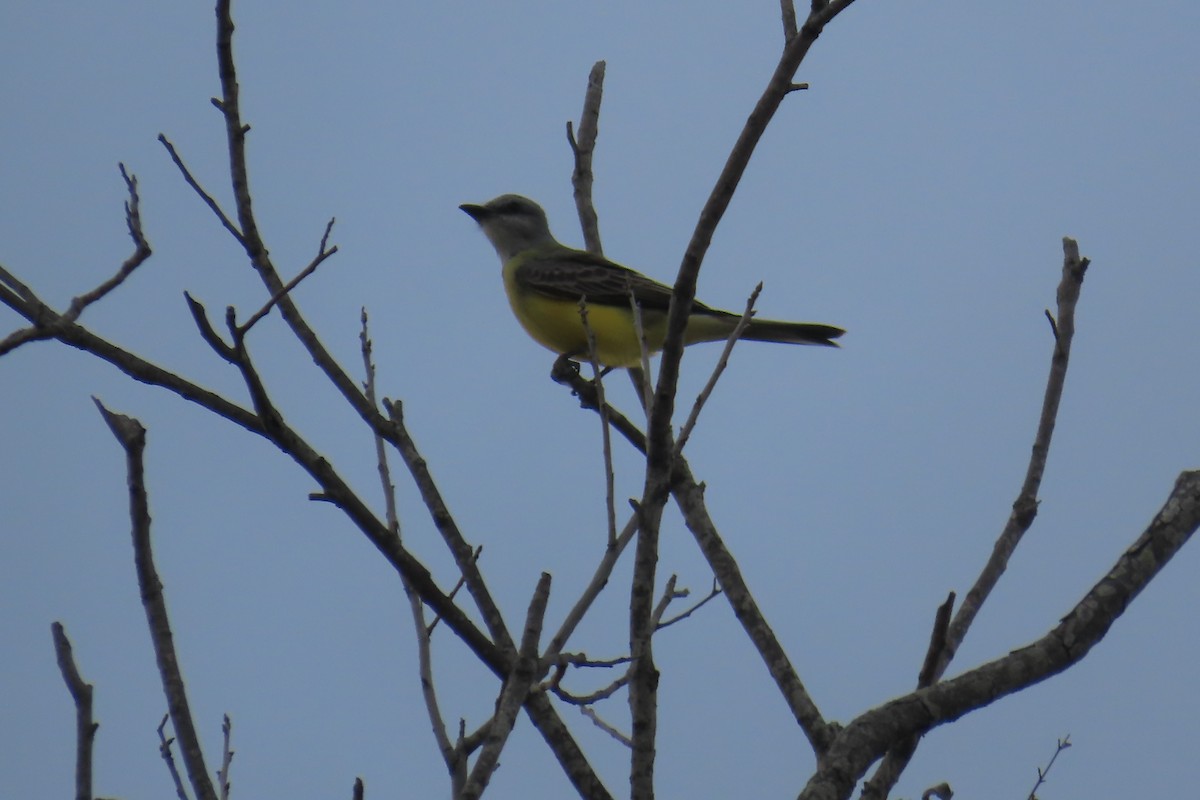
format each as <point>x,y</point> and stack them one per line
<point>571,274</point>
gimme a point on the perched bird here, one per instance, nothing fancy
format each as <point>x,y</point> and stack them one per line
<point>545,281</point>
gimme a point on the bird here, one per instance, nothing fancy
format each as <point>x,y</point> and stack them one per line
<point>546,281</point>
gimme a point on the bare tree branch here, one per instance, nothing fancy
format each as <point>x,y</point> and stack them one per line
<point>713,592</point>
<point>596,696</point>
<point>1063,744</point>
<point>941,791</point>
<point>132,437</point>
<point>722,363</point>
<point>937,642</point>
<point>133,220</point>
<point>164,750</point>
<point>455,762</point>
<point>591,714</point>
<point>567,375</point>
<point>599,580</point>
<point>397,435</point>
<point>778,87</point>
<point>46,322</point>
<point>872,733</point>
<point>85,727</point>
<point>643,674</point>
<point>605,434</point>
<point>226,757</point>
<point>208,199</point>
<point>582,149</point>
<point>788,11</point>
<point>660,451</point>
<point>499,655</point>
<point>1024,507</point>
<point>323,252</point>
<point>516,688</point>
<point>689,497</point>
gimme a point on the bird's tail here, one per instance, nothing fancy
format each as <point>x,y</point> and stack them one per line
<point>769,330</point>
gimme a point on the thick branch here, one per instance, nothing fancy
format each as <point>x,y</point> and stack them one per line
<point>1023,511</point>
<point>660,447</point>
<point>867,738</point>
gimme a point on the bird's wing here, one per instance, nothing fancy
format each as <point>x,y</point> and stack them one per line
<point>570,274</point>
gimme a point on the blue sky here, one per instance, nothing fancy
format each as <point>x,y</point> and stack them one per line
<point>916,195</point>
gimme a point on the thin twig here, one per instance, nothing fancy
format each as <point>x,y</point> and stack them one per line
<point>323,252</point>
<point>207,332</point>
<point>464,555</point>
<point>85,726</point>
<point>141,252</point>
<point>605,435</point>
<point>164,750</point>
<point>641,382</point>
<point>594,697</point>
<point>385,474</point>
<point>582,660</point>
<point>582,150</point>
<point>226,758</point>
<point>264,407</point>
<point>416,607</point>
<point>599,580</point>
<point>668,595</point>
<point>191,181</point>
<point>716,590</point>
<point>462,580</point>
<point>46,322</point>
<point>359,791</point>
<point>1063,744</point>
<point>469,743</point>
<point>722,363</point>
<point>591,714</point>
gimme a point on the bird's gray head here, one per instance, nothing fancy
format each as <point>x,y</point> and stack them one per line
<point>512,224</point>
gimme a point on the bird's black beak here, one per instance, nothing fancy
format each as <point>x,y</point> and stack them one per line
<point>477,213</point>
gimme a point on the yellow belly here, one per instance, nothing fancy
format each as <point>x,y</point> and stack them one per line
<point>556,324</point>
